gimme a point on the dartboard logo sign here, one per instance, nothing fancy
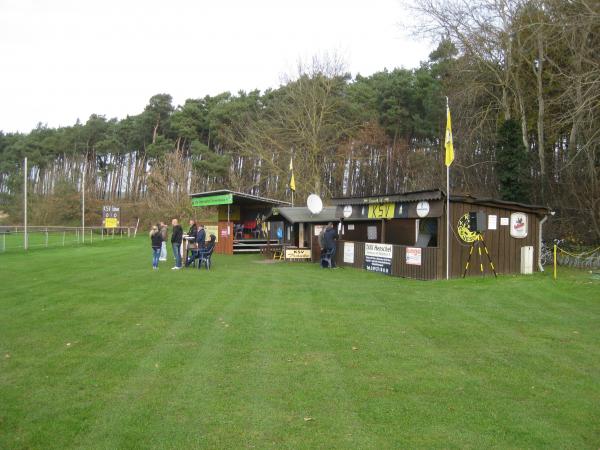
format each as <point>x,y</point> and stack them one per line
<point>464,232</point>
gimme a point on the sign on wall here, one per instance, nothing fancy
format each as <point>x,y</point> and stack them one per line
<point>212,229</point>
<point>297,253</point>
<point>378,258</point>
<point>504,221</point>
<point>318,229</point>
<point>413,256</point>
<point>492,222</point>
<point>372,233</point>
<point>349,252</point>
<point>518,225</point>
<point>111,216</point>
<point>381,211</point>
<point>213,200</point>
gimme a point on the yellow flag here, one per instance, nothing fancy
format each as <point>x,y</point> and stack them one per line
<point>292,181</point>
<point>448,143</point>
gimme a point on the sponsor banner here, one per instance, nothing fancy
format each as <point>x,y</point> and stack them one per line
<point>378,258</point>
<point>518,225</point>
<point>111,216</point>
<point>349,252</point>
<point>413,256</point>
<point>213,200</point>
<point>297,253</point>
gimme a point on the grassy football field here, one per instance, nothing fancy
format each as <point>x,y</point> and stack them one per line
<point>97,350</point>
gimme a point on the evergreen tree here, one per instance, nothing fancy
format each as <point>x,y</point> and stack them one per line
<point>512,163</point>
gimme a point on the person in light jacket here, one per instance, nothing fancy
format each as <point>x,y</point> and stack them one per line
<point>164,232</point>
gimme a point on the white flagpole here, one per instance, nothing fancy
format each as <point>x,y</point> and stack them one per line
<point>447,211</point>
<point>83,204</point>
<point>25,236</point>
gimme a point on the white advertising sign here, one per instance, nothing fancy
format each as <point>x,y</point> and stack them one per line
<point>413,256</point>
<point>349,252</point>
<point>504,221</point>
<point>492,222</point>
<point>518,225</point>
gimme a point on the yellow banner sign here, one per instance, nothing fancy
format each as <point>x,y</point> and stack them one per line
<point>111,222</point>
<point>381,211</point>
<point>297,253</point>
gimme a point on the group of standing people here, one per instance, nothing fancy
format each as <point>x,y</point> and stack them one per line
<point>159,235</point>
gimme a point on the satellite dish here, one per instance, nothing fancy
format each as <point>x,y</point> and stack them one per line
<point>314,204</point>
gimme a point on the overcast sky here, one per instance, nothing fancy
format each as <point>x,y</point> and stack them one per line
<point>65,59</point>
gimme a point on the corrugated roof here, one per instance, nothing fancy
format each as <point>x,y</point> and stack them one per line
<point>300,214</point>
<point>240,196</point>
<point>502,203</point>
<point>416,196</point>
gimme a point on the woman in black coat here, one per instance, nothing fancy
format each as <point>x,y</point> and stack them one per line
<point>156,241</point>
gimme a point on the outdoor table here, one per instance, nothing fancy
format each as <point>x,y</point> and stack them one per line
<point>185,242</point>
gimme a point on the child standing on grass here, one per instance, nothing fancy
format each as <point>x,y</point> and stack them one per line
<point>157,240</point>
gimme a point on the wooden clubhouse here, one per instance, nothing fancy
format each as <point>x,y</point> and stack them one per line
<point>241,226</point>
<point>404,235</point>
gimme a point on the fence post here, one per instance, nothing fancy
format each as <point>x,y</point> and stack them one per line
<point>3,242</point>
<point>91,236</point>
<point>46,237</point>
<point>64,235</point>
<point>555,261</point>
<point>128,232</point>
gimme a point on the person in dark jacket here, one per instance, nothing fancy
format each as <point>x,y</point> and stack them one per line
<point>156,241</point>
<point>192,231</point>
<point>200,244</point>
<point>330,236</point>
<point>201,237</point>
<point>176,238</point>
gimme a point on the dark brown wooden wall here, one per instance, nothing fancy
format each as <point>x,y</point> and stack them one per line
<point>504,250</point>
<point>428,270</point>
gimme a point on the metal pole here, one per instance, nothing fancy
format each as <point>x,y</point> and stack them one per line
<point>25,237</point>
<point>83,204</point>
<point>447,222</point>
<point>447,213</point>
<point>555,261</point>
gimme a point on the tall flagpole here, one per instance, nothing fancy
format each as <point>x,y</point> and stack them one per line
<point>83,203</point>
<point>447,212</point>
<point>25,236</point>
